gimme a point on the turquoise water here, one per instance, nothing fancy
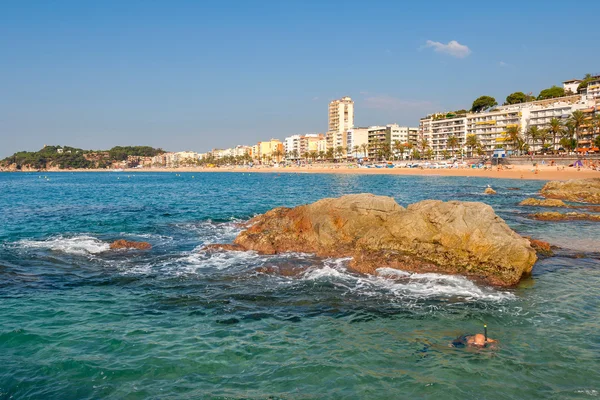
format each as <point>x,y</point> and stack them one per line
<point>80,322</point>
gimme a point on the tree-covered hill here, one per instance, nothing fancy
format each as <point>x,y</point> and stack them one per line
<point>65,157</point>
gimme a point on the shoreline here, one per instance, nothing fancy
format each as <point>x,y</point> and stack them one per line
<point>518,172</point>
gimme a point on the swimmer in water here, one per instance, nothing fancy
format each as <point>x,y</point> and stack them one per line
<point>477,340</point>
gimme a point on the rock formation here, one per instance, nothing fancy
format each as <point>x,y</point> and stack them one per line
<point>541,247</point>
<point>452,237</point>
<point>579,190</point>
<point>543,203</point>
<point>489,190</point>
<point>570,216</point>
<point>126,244</point>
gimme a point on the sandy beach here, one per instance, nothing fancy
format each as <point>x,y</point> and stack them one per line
<point>516,172</point>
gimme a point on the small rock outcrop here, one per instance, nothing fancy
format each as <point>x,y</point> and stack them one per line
<point>489,190</point>
<point>541,247</point>
<point>543,203</point>
<point>579,190</point>
<point>126,244</point>
<point>452,237</point>
<point>570,216</point>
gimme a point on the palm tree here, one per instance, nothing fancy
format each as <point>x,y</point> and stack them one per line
<point>423,144</point>
<point>578,120</point>
<point>452,143</point>
<point>329,153</point>
<point>472,142</point>
<point>513,134</point>
<point>534,133</point>
<point>339,151</point>
<point>544,137</point>
<point>555,129</point>
<point>398,148</point>
<point>278,153</point>
<point>321,155</point>
<point>355,150</point>
<point>365,148</point>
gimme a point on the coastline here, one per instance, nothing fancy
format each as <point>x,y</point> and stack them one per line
<point>517,172</point>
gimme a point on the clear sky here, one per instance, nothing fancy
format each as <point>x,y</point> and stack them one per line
<point>193,75</point>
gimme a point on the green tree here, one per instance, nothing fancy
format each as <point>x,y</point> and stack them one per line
<point>513,134</point>
<point>516,98</point>
<point>577,119</point>
<point>483,103</point>
<point>472,142</point>
<point>365,149</point>
<point>551,93</point>
<point>453,142</point>
<point>544,136</point>
<point>339,151</point>
<point>555,128</point>
<point>330,153</point>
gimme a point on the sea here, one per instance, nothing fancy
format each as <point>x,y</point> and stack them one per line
<point>81,321</point>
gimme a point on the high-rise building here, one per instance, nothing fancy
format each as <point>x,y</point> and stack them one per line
<point>341,119</point>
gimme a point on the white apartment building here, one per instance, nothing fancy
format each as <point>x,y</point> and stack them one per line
<point>442,129</point>
<point>593,89</point>
<point>401,134</point>
<point>296,146</point>
<point>571,85</point>
<point>291,147</point>
<point>490,126</point>
<point>341,119</point>
<point>357,137</point>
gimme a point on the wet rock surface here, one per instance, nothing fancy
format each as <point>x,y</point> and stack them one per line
<point>452,237</point>
<point>578,190</point>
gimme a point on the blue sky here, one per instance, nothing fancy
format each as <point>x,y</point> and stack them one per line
<point>193,75</point>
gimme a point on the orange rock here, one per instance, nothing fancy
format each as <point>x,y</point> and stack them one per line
<point>452,237</point>
<point>126,244</point>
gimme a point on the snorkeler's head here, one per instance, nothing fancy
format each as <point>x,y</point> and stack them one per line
<point>479,340</point>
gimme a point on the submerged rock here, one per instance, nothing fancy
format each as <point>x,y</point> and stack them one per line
<point>541,247</point>
<point>570,216</point>
<point>579,190</point>
<point>126,244</point>
<point>452,237</point>
<point>543,203</point>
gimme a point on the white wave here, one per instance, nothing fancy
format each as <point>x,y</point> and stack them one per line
<point>402,284</point>
<point>212,232</point>
<point>80,245</point>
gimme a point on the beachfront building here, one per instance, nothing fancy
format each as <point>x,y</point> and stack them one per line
<point>271,150</point>
<point>571,86</point>
<point>256,152</point>
<point>382,139</point>
<point>341,119</point>
<point>442,130</point>
<point>379,142</point>
<point>490,127</point>
<point>357,142</point>
<point>301,146</point>
<point>593,89</point>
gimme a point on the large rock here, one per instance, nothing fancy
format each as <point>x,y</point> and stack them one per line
<point>543,202</point>
<point>580,190</point>
<point>450,237</point>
